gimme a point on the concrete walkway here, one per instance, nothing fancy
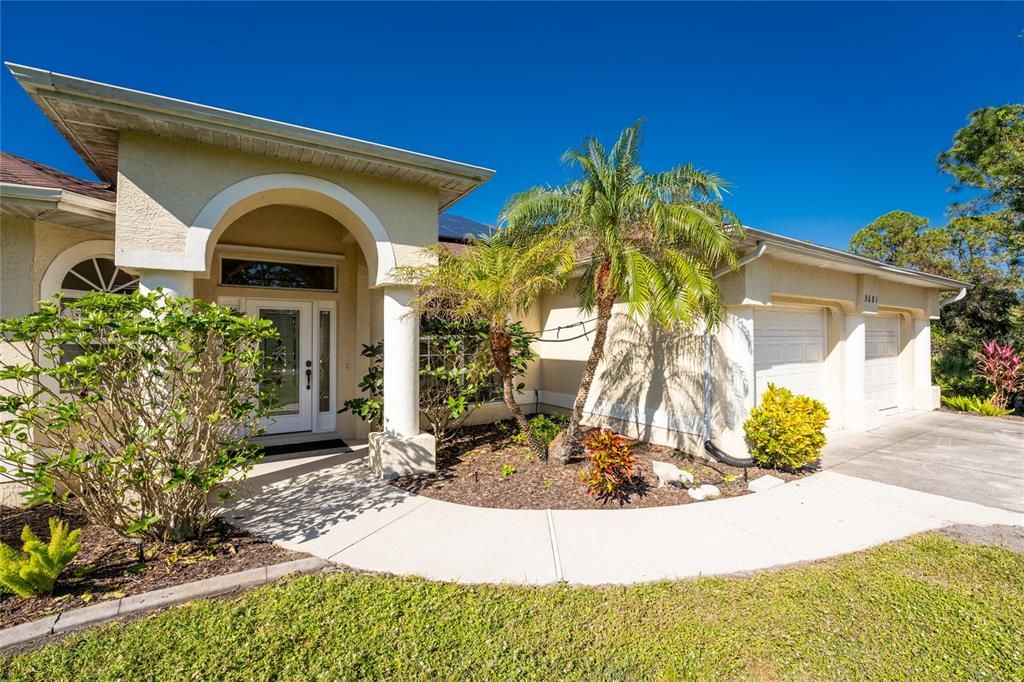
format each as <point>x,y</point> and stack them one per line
<point>329,507</point>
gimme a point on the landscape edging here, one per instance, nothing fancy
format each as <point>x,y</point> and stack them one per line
<point>86,616</point>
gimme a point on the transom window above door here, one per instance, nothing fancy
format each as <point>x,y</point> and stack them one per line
<point>240,272</point>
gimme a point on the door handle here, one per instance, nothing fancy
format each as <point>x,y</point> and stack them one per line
<point>309,375</point>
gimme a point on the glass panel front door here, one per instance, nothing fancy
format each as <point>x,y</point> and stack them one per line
<point>289,363</point>
<point>281,360</point>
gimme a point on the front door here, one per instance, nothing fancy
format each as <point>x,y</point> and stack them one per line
<point>289,358</point>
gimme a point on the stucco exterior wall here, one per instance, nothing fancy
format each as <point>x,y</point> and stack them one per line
<point>649,385</point>
<point>27,248</point>
<point>164,184</point>
<point>17,252</point>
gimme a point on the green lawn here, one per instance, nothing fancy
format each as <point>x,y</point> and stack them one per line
<point>923,608</point>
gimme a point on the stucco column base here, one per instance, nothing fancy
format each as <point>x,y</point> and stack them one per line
<point>929,398</point>
<point>393,456</point>
<point>859,415</point>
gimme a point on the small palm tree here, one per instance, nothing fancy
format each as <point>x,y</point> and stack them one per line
<point>650,240</point>
<point>492,280</point>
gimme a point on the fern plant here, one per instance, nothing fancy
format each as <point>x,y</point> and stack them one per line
<point>964,403</point>
<point>34,570</point>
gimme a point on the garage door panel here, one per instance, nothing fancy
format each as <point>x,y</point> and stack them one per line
<point>881,361</point>
<point>789,351</point>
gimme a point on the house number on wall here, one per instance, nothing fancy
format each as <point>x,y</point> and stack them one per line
<point>870,298</point>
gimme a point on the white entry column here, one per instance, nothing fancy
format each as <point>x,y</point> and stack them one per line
<point>855,411</point>
<point>926,396</point>
<point>173,282</point>
<point>401,449</point>
<point>401,363</point>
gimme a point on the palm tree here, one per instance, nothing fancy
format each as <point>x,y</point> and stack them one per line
<point>650,240</point>
<point>492,280</point>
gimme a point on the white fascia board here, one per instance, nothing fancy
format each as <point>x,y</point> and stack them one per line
<point>35,80</point>
<point>54,198</point>
<point>835,255</point>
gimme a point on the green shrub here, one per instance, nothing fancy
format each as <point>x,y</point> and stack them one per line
<point>956,375</point>
<point>507,470</point>
<point>965,403</point>
<point>152,413</point>
<point>612,465</point>
<point>786,431</point>
<point>545,426</point>
<point>34,570</point>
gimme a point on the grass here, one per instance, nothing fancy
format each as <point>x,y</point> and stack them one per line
<point>923,608</point>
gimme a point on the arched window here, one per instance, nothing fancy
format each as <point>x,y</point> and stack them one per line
<point>97,274</point>
<point>84,267</point>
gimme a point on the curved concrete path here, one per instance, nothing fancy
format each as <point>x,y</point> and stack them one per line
<point>329,507</point>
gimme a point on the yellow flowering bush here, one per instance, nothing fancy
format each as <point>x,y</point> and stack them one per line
<point>786,431</point>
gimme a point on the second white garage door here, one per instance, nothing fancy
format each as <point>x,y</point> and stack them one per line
<point>881,366</point>
<point>789,351</point>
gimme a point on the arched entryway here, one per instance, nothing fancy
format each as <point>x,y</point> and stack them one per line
<point>352,294</point>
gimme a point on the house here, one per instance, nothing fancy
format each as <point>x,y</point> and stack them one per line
<point>303,227</point>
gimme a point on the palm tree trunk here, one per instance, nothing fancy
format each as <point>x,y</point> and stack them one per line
<point>569,442</point>
<point>501,344</point>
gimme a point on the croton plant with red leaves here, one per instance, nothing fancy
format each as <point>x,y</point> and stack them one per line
<point>612,465</point>
<point>1000,365</point>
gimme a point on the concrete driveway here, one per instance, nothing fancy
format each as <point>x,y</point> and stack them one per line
<point>976,459</point>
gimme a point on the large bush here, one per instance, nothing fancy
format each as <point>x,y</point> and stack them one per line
<point>137,405</point>
<point>786,431</point>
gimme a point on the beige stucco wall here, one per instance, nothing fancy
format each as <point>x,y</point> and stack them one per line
<point>17,249</point>
<point>163,185</point>
<point>27,248</point>
<point>650,383</point>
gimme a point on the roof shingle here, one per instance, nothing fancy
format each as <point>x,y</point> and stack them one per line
<point>22,171</point>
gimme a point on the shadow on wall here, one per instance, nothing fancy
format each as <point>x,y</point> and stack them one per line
<point>732,385</point>
<point>652,380</point>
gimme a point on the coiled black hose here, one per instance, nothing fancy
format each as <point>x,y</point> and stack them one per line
<point>726,458</point>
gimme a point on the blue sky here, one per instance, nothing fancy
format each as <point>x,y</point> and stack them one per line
<point>823,116</point>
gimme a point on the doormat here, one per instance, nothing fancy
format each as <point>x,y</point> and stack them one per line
<point>308,446</point>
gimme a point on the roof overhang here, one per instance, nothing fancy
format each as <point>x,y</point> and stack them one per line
<point>91,115</point>
<point>806,253</point>
<point>56,206</point>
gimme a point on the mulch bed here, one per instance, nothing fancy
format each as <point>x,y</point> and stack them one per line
<point>469,471</point>
<point>108,565</point>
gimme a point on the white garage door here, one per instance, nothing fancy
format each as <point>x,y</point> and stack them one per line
<point>789,351</point>
<point>881,366</point>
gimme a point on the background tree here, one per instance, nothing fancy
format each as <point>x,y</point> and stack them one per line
<point>493,281</point>
<point>903,239</point>
<point>650,240</point>
<point>988,156</point>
